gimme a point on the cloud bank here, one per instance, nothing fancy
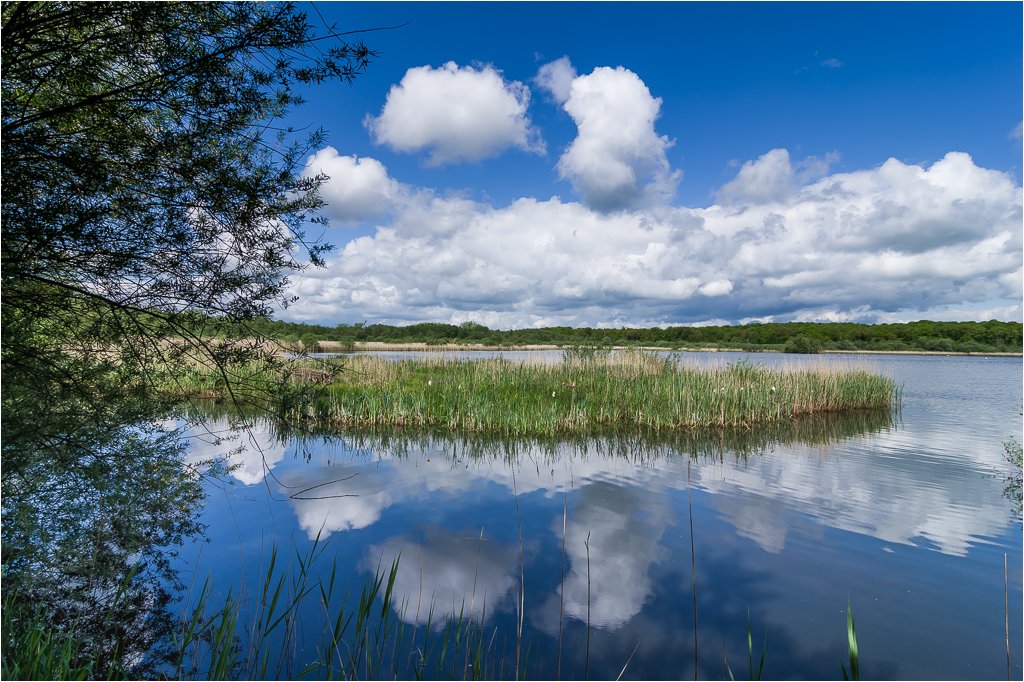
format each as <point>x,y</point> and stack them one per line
<point>783,242</point>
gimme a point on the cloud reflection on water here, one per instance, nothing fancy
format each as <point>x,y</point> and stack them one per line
<point>788,522</point>
<point>888,487</point>
<point>612,536</point>
<point>621,494</point>
<point>250,451</point>
<point>444,573</point>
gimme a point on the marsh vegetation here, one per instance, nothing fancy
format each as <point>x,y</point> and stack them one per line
<point>583,393</point>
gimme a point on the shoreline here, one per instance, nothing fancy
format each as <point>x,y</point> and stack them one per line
<point>371,346</point>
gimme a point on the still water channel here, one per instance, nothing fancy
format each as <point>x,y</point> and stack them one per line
<point>904,516</point>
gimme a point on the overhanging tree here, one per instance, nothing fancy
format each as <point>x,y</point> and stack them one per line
<point>146,184</point>
<point>141,167</point>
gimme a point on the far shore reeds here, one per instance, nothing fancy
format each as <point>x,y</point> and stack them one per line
<point>580,394</point>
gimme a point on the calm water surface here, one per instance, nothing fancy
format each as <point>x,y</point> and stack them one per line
<point>905,518</point>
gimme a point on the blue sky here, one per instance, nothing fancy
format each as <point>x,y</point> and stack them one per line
<point>671,163</point>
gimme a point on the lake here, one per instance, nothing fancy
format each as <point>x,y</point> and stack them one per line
<point>903,516</point>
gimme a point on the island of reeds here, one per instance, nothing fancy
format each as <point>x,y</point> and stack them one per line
<point>581,394</point>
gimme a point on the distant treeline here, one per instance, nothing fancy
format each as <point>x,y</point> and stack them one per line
<point>807,337</point>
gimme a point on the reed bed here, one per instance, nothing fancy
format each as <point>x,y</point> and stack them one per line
<point>640,447</point>
<point>624,390</point>
<point>628,390</point>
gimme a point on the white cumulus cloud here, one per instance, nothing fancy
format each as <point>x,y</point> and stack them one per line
<point>556,78</point>
<point>617,160</point>
<point>356,189</point>
<point>455,113</point>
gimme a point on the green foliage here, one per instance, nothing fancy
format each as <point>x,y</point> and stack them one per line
<point>149,211</point>
<point>1012,450</point>
<point>34,651</point>
<point>310,343</point>
<point>943,344</point>
<point>148,155</point>
<point>802,344</point>
<point>959,337</point>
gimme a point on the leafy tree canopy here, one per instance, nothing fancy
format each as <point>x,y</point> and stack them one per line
<point>141,166</point>
<point>146,185</point>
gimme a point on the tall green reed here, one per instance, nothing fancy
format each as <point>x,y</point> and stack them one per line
<point>272,634</point>
<point>853,651</point>
<point>32,650</point>
<point>624,390</point>
<point>754,673</point>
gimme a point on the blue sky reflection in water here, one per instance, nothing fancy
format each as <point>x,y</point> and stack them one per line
<point>909,522</point>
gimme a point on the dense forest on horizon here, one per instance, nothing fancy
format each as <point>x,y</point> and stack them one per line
<point>968,337</point>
